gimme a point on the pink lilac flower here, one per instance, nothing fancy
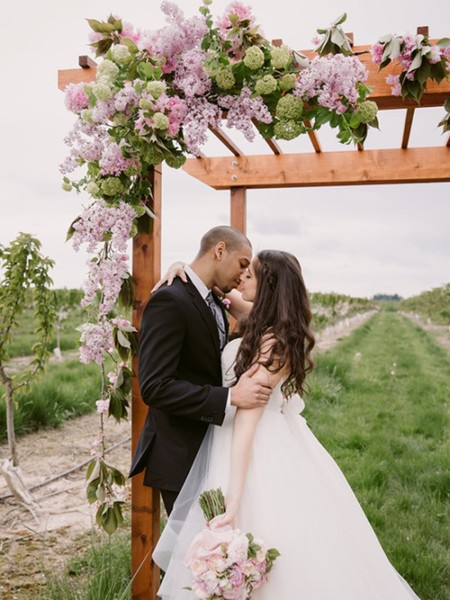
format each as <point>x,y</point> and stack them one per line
<point>126,97</point>
<point>113,162</point>
<point>377,53</point>
<point>242,109</point>
<point>97,220</point>
<point>201,115</point>
<point>86,143</point>
<point>181,35</point>
<point>102,406</point>
<point>96,340</point>
<point>394,81</point>
<point>106,275</point>
<point>112,377</point>
<point>76,98</point>
<point>331,79</point>
<point>190,75</point>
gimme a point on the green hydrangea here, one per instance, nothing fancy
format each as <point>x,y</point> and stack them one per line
<point>66,186</point>
<point>92,188</point>
<point>280,56</point>
<point>112,186</point>
<point>107,70</point>
<point>156,88</point>
<point>120,54</point>
<point>289,108</point>
<point>160,121</point>
<point>266,85</point>
<point>254,58</point>
<point>86,115</point>
<point>225,79</point>
<point>101,91</point>
<point>287,130</point>
<point>175,161</point>
<point>367,111</point>
<point>145,104</point>
<point>120,119</point>
<point>287,82</point>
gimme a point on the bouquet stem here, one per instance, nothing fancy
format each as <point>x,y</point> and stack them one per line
<point>212,503</point>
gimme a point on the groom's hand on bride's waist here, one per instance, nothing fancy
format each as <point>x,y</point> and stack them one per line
<point>249,392</point>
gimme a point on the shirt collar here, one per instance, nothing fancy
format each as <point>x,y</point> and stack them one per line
<point>199,284</point>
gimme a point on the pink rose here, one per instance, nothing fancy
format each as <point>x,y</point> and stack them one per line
<point>208,542</point>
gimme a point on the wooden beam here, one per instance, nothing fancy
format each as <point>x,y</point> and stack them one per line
<point>226,141</point>
<point>407,128</point>
<point>238,208</point>
<point>312,136</point>
<point>145,501</point>
<point>413,165</point>
<point>84,75</point>
<point>434,95</point>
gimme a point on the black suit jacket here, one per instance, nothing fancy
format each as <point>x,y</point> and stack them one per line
<point>180,379</point>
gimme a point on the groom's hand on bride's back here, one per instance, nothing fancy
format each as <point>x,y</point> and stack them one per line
<point>249,392</point>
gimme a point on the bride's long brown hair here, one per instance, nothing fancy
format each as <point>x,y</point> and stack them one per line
<point>280,312</point>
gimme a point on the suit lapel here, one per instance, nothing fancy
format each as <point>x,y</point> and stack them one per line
<point>205,313</point>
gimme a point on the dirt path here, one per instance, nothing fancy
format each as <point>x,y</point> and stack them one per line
<point>440,332</point>
<point>29,545</point>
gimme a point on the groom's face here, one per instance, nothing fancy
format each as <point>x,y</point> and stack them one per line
<point>231,266</point>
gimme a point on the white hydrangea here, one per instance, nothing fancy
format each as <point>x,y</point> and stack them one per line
<point>120,54</point>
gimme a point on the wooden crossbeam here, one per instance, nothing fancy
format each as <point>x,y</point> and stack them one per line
<point>226,140</point>
<point>413,165</point>
<point>312,136</point>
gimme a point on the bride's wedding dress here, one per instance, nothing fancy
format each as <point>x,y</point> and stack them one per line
<point>297,500</point>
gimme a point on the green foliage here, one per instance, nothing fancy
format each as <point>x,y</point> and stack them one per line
<point>101,573</point>
<point>378,404</point>
<point>65,391</point>
<point>25,268</point>
<point>334,40</point>
<point>433,304</point>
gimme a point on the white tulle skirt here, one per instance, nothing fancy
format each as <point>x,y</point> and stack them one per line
<point>296,500</point>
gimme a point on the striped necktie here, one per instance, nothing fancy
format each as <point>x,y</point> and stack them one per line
<point>218,316</point>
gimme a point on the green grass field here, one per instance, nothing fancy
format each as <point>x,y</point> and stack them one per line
<point>379,405</point>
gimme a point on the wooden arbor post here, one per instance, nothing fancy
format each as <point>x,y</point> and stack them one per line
<point>145,501</point>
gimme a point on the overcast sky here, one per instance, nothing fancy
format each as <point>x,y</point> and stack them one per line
<point>356,240</point>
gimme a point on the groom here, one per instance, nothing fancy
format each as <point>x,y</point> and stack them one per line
<point>184,328</point>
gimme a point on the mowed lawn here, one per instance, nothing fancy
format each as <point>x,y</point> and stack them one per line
<point>379,404</point>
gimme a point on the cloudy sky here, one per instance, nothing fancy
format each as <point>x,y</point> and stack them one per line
<point>356,240</point>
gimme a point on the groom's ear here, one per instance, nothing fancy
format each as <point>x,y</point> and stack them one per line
<point>219,250</point>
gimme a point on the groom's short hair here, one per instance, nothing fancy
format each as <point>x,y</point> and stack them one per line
<point>233,239</point>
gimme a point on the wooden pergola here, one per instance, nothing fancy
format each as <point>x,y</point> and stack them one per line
<point>238,172</point>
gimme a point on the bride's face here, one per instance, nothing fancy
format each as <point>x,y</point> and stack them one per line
<point>249,283</point>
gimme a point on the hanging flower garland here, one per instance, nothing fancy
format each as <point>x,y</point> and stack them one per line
<point>155,96</point>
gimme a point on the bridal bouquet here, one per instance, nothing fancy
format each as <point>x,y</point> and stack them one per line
<point>226,563</point>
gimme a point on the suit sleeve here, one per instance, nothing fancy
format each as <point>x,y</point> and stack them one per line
<point>161,340</point>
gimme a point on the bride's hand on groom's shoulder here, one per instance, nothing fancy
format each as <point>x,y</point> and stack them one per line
<point>175,270</point>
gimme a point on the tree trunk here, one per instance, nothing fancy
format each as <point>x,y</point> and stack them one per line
<point>9,416</point>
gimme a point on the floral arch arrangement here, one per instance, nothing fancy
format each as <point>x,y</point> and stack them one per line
<point>155,97</point>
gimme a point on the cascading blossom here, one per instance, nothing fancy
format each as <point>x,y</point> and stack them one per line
<point>96,341</point>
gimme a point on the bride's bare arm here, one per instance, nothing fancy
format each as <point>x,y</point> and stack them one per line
<point>244,428</point>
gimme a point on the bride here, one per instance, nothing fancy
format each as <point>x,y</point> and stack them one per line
<point>280,483</point>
